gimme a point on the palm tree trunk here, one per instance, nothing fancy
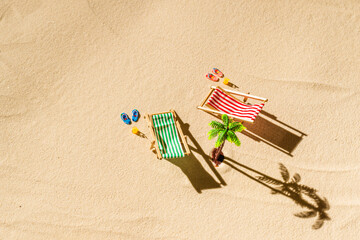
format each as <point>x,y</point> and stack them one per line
<point>218,151</point>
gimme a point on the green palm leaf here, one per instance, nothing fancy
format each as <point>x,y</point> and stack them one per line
<point>217,125</point>
<point>225,119</point>
<point>236,127</point>
<point>221,138</point>
<point>213,133</point>
<point>231,137</point>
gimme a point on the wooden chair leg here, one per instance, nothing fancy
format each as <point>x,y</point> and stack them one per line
<point>186,148</point>
<point>245,98</point>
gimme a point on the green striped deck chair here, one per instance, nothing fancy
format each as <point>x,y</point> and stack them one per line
<point>169,140</point>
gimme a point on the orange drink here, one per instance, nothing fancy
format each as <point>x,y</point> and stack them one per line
<point>135,130</point>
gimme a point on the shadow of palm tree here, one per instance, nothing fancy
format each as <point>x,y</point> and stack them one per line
<point>302,195</point>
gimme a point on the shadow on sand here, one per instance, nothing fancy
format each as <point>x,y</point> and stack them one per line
<point>191,167</point>
<point>232,85</point>
<point>274,133</point>
<point>302,195</point>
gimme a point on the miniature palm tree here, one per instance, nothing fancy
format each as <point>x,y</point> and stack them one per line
<point>224,131</point>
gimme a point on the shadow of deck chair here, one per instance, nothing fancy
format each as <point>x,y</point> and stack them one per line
<point>169,140</point>
<point>221,101</point>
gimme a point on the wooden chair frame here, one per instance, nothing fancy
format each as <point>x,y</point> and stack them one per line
<point>203,106</point>
<point>154,143</point>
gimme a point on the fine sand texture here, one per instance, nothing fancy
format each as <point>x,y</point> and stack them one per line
<point>71,169</point>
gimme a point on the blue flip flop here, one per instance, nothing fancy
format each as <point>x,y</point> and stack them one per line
<point>135,115</point>
<point>125,118</point>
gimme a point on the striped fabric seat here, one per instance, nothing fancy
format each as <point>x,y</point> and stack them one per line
<point>225,103</point>
<point>167,136</point>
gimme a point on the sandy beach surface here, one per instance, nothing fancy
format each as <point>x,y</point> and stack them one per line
<point>71,169</point>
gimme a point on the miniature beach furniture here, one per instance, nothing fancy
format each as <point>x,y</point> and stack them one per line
<point>220,101</point>
<point>169,140</point>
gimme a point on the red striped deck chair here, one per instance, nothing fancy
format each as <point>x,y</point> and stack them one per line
<point>220,101</point>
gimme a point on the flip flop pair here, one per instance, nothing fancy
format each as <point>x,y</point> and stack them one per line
<point>126,119</point>
<point>215,78</point>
